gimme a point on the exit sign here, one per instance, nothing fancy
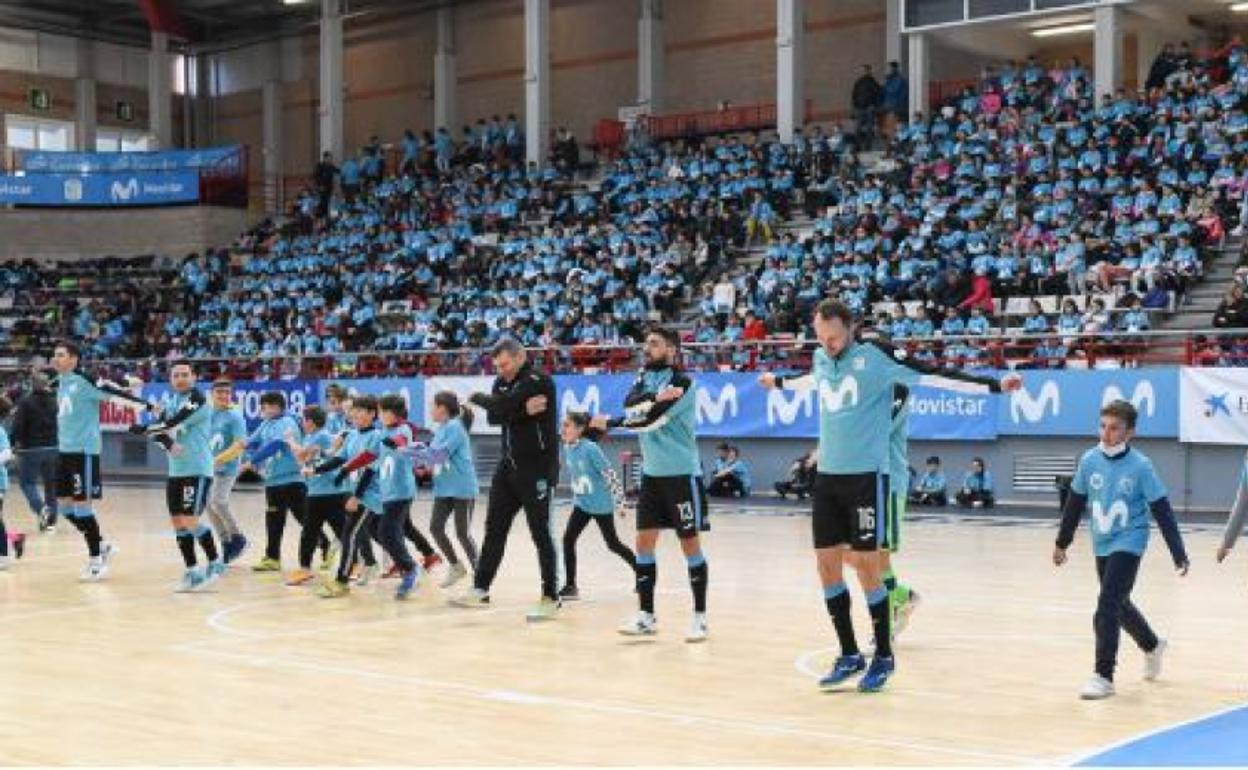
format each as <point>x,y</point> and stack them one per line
<point>40,99</point>
<point>125,111</point>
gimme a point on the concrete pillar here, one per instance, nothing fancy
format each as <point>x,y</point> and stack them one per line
<point>85,104</point>
<point>1107,50</point>
<point>894,46</point>
<point>650,58</point>
<point>272,141</point>
<point>333,93</point>
<point>790,74</point>
<point>917,72</point>
<point>444,82</point>
<point>160,92</point>
<point>536,80</point>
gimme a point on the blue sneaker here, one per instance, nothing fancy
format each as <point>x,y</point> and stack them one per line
<point>845,668</point>
<point>234,548</point>
<point>214,572</point>
<point>407,583</point>
<point>877,675</point>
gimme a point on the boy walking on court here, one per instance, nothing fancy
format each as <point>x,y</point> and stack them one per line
<point>1121,487</point>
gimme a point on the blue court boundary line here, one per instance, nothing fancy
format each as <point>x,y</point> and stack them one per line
<point>1089,759</point>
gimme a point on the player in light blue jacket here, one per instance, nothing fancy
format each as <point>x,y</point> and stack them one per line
<point>455,485</point>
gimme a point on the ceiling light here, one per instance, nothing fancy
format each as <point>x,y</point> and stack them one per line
<point>1239,7</point>
<point>1064,29</point>
<point>295,2</point>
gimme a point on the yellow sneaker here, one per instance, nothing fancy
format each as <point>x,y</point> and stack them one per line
<point>267,565</point>
<point>332,589</point>
<point>300,577</point>
<point>330,559</point>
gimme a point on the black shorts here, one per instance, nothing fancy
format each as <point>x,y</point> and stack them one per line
<point>186,495</point>
<point>78,476</point>
<point>287,498</point>
<point>673,502</point>
<point>850,509</point>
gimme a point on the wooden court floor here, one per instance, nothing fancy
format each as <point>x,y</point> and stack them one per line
<point>127,672</point>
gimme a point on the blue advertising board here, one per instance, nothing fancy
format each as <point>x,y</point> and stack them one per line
<point>78,163</point>
<point>138,189</point>
<point>299,393</point>
<point>1067,403</point>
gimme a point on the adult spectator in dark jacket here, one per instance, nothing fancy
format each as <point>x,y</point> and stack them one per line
<point>1232,311</point>
<point>865,99</point>
<point>323,176</point>
<point>1163,67</point>
<point>895,97</point>
<point>34,441</point>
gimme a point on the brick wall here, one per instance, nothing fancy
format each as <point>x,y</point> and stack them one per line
<point>67,234</point>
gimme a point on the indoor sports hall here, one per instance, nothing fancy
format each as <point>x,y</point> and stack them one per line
<point>623,382</point>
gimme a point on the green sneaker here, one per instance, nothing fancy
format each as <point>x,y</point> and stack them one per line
<point>267,565</point>
<point>904,610</point>
<point>543,610</point>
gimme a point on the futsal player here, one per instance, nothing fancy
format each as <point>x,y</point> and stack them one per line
<point>78,443</point>
<point>1121,487</point>
<point>185,431</point>
<point>855,383</point>
<point>660,409</point>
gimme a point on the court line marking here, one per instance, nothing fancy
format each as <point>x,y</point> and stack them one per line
<point>620,709</point>
<point>1076,759</point>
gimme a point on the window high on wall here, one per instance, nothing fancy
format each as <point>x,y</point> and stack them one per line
<point>121,140</point>
<point>26,133</point>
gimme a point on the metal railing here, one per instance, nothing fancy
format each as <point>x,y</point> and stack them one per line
<point>1209,347</point>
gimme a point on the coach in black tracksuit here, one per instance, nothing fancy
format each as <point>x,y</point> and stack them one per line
<point>523,403</point>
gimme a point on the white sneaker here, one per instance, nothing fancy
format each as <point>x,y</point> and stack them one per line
<point>95,571</point>
<point>697,628</point>
<point>107,551</point>
<point>1097,688</point>
<point>456,573</point>
<point>1152,661</point>
<point>368,574</point>
<point>473,598</point>
<point>904,612</point>
<point>641,624</point>
<point>546,609</point>
<point>4,563</point>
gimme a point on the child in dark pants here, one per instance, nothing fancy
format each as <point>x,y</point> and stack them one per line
<point>1120,487</point>
<point>596,496</point>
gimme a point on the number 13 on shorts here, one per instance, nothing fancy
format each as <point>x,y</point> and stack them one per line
<point>686,511</point>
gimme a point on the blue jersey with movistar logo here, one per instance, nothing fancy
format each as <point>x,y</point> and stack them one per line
<point>1119,490</point>
<point>335,423</point>
<point>357,442</point>
<point>193,434</point>
<point>322,484</point>
<point>395,469</point>
<point>456,476</point>
<point>587,467</point>
<point>669,446</point>
<point>228,428</point>
<point>281,468</point>
<point>78,414</point>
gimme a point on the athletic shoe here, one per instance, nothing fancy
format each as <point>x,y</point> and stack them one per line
<point>877,675</point>
<point>300,577</point>
<point>569,594</point>
<point>234,548</point>
<point>905,610</point>
<point>19,545</point>
<point>332,589</point>
<point>546,609</point>
<point>472,598</point>
<point>191,580</point>
<point>456,573</point>
<point>44,517</point>
<point>697,628</point>
<point>95,571</point>
<point>367,574</point>
<point>5,562</point>
<point>407,583</point>
<point>1152,661</point>
<point>107,551</point>
<point>641,624</point>
<point>845,668</point>
<point>267,565</point>
<point>216,570</point>
<point>1097,688</point>
<point>394,571</point>
<point>430,561</point>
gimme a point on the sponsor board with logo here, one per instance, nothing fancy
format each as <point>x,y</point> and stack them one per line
<point>1214,406</point>
<point>103,189</point>
<point>1068,403</point>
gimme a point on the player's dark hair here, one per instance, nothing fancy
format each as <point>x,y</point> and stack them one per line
<point>394,404</point>
<point>581,420</point>
<point>670,336</point>
<point>366,402</point>
<point>223,383</point>
<point>509,345</point>
<point>273,398</point>
<point>334,390</point>
<point>315,415</point>
<point>834,308</point>
<point>450,402</point>
<point>1121,410</point>
<point>70,347</point>
<point>6,406</point>
<point>933,460</point>
<point>182,362</point>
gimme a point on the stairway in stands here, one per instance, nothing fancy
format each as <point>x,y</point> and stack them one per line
<point>1205,296</point>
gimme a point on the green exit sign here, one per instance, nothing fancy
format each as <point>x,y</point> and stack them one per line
<point>40,99</point>
<point>125,111</point>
